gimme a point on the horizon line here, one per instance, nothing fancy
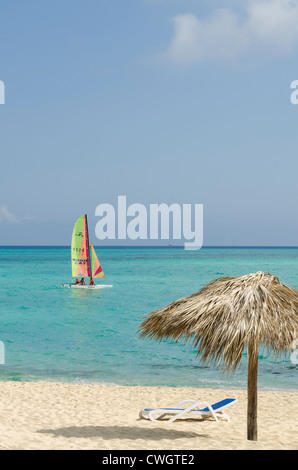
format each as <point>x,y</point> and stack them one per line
<point>153,246</point>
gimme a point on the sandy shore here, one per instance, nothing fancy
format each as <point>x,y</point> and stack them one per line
<point>81,416</point>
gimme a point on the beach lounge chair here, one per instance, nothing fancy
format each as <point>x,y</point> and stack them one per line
<point>194,409</point>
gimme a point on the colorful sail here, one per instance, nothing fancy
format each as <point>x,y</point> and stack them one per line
<point>80,256</point>
<point>97,269</point>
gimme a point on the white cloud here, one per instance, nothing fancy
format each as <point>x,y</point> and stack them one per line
<point>9,218</point>
<point>269,27</point>
<point>6,216</point>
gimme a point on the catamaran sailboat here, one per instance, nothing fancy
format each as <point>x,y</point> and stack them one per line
<point>83,260</point>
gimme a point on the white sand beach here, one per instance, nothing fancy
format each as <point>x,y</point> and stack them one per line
<point>56,416</point>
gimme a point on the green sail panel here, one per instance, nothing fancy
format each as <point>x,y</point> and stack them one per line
<point>80,256</point>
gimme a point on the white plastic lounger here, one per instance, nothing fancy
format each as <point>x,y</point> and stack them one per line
<point>194,410</point>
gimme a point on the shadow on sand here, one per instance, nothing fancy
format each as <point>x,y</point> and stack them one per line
<point>120,432</point>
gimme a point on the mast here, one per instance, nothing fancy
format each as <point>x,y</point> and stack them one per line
<point>89,252</point>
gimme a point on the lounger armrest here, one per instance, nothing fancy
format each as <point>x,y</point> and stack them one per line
<point>156,410</point>
<point>195,406</point>
<point>184,403</point>
<point>206,404</point>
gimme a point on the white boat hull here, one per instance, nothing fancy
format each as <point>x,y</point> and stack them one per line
<point>80,286</point>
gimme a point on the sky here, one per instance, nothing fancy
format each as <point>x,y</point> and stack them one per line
<point>163,101</point>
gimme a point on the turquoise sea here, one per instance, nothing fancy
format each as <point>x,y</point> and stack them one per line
<point>58,334</point>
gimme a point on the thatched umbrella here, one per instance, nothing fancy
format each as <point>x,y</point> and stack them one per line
<point>227,315</point>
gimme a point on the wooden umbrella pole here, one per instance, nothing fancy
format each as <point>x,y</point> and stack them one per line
<point>252,393</point>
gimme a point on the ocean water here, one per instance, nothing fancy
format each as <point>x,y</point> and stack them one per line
<point>57,334</point>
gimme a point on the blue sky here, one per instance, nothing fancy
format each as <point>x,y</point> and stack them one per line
<point>174,101</point>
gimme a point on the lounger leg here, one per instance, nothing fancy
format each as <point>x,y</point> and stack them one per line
<point>220,414</point>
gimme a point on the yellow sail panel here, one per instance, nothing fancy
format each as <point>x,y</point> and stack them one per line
<point>97,269</point>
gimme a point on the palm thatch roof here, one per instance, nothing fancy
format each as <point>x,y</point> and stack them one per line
<point>229,314</point>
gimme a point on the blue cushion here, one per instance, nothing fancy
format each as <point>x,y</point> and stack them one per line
<point>217,405</point>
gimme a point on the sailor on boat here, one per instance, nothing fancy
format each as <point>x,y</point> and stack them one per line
<point>83,281</point>
<point>91,283</point>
